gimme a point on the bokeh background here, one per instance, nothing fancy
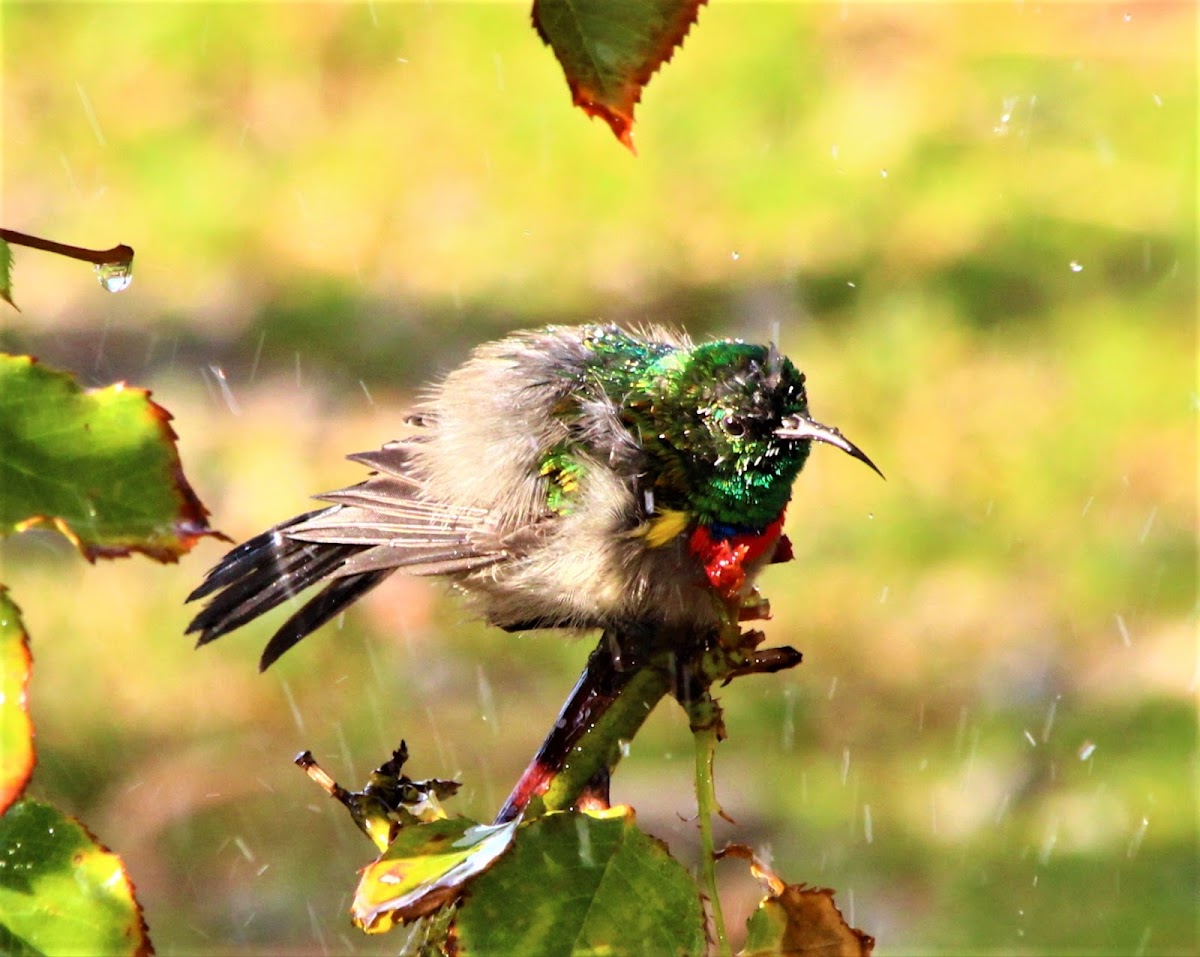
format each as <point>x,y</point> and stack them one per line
<point>973,226</point>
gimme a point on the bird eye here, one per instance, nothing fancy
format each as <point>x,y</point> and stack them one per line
<point>734,425</point>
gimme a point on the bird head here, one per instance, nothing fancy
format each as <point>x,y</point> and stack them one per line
<point>727,424</point>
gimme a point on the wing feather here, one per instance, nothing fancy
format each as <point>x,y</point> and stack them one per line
<point>368,531</point>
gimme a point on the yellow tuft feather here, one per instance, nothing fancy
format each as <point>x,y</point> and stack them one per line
<point>665,526</point>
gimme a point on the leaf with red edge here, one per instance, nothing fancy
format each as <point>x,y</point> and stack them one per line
<point>16,728</point>
<point>609,49</point>
<point>99,465</point>
<point>61,891</point>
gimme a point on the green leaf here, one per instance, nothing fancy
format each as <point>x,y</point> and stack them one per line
<point>99,465</point>
<point>583,883</point>
<point>424,869</point>
<point>16,728</point>
<point>6,273</point>
<point>609,49</point>
<point>61,892</point>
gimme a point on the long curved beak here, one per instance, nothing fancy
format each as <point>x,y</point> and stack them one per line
<point>802,427</point>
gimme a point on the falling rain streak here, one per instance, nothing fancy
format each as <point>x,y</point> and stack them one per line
<point>1048,842</point>
<point>1048,725</point>
<point>487,700</point>
<point>226,392</point>
<point>90,112</point>
<point>1135,843</point>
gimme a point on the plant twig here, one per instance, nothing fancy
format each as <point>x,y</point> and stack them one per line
<point>118,255</point>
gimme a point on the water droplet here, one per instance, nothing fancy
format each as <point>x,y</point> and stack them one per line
<point>1002,126</point>
<point>1076,266</point>
<point>735,255</point>
<point>1127,17</point>
<point>883,174</point>
<point>1086,750</point>
<point>1030,738</point>
<point>852,285</point>
<point>115,277</point>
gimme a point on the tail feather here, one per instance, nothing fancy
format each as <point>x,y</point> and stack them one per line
<point>367,532</point>
<point>258,581</point>
<point>328,602</point>
<point>237,561</point>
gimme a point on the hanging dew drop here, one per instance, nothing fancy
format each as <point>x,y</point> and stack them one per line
<point>115,277</point>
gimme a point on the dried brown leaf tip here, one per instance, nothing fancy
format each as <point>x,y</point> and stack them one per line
<point>797,920</point>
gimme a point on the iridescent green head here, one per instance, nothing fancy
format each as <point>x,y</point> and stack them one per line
<point>728,427</point>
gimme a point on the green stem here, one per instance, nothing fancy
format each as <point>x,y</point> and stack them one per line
<point>601,745</point>
<point>705,739</point>
<point>608,705</point>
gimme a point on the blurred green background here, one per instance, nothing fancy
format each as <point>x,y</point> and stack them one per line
<point>972,225</point>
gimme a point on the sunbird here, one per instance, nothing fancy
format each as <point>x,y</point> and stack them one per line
<point>570,477</point>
